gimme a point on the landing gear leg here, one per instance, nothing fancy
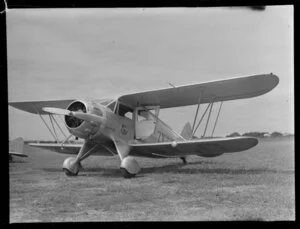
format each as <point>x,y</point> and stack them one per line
<point>72,165</point>
<point>183,160</point>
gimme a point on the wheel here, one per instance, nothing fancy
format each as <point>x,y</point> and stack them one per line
<point>71,167</point>
<point>183,160</point>
<point>69,173</point>
<point>129,167</point>
<point>126,174</point>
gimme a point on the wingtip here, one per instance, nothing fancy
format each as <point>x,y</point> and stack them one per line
<point>275,79</point>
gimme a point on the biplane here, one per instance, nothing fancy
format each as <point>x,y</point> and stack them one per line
<point>129,125</point>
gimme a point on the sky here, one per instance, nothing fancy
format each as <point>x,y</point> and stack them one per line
<point>103,53</point>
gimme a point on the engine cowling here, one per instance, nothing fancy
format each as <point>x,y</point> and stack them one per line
<point>80,128</point>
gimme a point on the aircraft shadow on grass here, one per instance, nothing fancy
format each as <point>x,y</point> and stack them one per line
<point>177,168</point>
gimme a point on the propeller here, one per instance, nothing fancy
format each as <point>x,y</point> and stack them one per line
<point>80,115</point>
<point>57,111</point>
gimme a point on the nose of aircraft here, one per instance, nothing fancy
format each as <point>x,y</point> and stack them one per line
<point>92,118</point>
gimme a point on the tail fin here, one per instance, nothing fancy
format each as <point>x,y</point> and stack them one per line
<point>16,145</point>
<point>186,132</point>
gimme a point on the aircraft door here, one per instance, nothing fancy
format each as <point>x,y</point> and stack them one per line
<point>144,122</point>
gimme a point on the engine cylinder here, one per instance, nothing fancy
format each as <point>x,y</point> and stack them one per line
<point>73,122</point>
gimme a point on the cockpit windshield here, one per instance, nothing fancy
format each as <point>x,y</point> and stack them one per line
<point>110,103</point>
<point>105,102</point>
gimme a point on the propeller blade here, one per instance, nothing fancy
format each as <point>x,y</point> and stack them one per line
<point>88,117</point>
<point>80,115</point>
<point>57,111</point>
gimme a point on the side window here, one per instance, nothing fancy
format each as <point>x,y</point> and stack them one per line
<point>128,115</point>
<point>142,115</point>
<point>125,111</point>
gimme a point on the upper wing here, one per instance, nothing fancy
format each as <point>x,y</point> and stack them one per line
<point>35,107</point>
<point>222,90</point>
<point>201,147</point>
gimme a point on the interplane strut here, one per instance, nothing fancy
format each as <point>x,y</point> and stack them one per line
<point>209,107</point>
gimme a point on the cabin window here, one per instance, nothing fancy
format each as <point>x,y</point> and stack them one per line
<point>144,115</point>
<point>112,106</point>
<point>129,115</point>
<point>125,111</point>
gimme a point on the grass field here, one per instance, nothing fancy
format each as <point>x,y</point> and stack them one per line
<point>257,184</point>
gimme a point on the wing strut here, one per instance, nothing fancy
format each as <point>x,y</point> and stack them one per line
<point>50,117</point>
<point>53,133</point>
<point>212,104</point>
<point>59,126</point>
<point>196,115</point>
<point>212,133</point>
<point>48,127</point>
<point>201,118</point>
<point>209,107</point>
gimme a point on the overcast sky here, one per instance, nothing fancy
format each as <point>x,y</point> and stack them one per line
<point>77,53</point>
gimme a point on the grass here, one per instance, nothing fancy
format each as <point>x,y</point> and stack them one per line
<point>254,185</point>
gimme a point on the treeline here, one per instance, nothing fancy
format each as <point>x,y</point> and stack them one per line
<point>274,134</point>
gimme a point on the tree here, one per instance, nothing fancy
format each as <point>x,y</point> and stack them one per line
<point>276,134</point>
<point>234,134</point>
<point>255,134</point>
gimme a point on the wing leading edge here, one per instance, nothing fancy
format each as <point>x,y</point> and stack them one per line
<point>201,147</point>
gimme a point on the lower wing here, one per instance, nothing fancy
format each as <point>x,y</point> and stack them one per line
<point>17,154</point>
<point>74,148</point>
<point>201,147</point>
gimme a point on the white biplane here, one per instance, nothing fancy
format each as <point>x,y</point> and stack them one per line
<point>129,127</point>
